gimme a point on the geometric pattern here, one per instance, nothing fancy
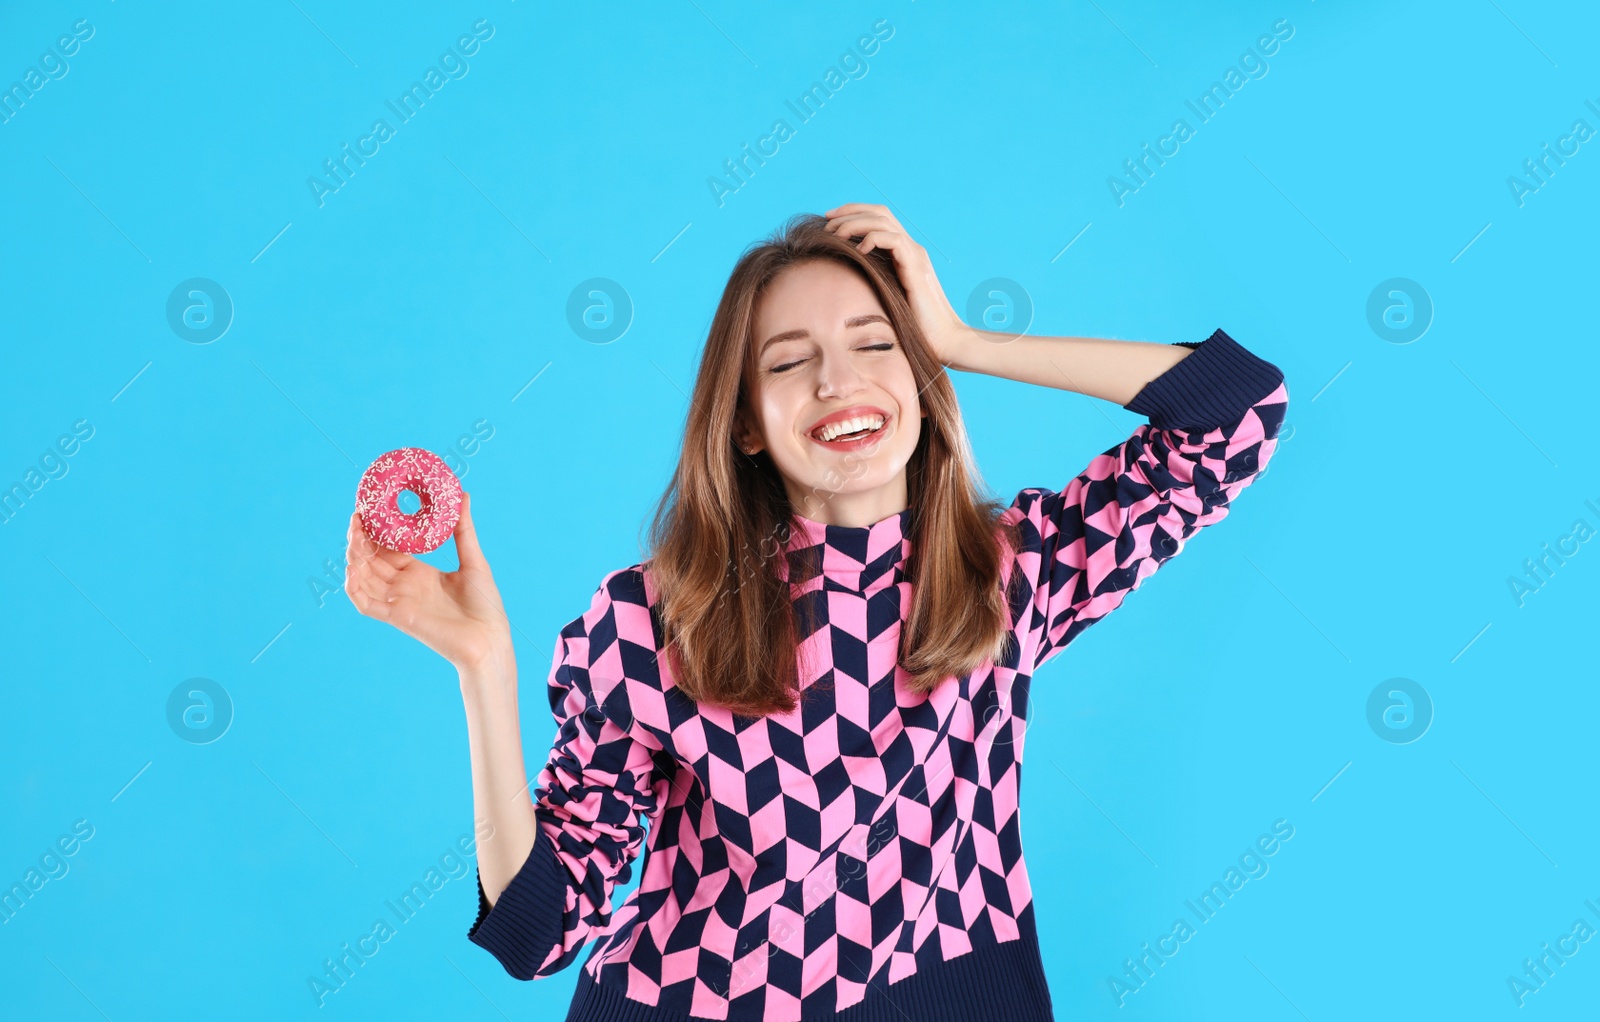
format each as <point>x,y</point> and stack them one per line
<point>798,863</point>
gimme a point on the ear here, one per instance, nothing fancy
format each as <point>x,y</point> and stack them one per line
<point>746,438</point>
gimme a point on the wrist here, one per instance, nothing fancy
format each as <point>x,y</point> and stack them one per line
<point>962,343</point>
<point>493,665</point>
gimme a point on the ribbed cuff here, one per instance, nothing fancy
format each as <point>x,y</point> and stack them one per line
<point>524,924</point>
<point>1213,387</point>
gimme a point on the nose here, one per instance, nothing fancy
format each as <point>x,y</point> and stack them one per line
<point>837,376</point>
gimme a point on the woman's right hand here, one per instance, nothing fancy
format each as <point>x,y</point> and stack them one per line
<point>457,614</point>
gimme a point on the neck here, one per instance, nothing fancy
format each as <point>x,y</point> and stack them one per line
<point>856,510</point>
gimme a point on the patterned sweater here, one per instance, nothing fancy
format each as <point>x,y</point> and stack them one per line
<point>859,858</point>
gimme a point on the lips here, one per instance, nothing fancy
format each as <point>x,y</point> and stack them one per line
<point>865,416</point>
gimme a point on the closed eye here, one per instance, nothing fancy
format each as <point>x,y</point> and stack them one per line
<point>786,366</point>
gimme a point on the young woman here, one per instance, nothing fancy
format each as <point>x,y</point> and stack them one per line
<point>808,705</point>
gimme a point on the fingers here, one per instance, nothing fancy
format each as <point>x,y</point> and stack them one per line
<point>374,568</point>
<point>856,226</point>
<point>906,249</point>
<point>854,219</point>
<point>364,602</point>
<point>466,534</point>
<point>375,577</point>
<point>874,232</point>
<point>878,239</point>
<point>371,562</point>
<point>858,211</point>
<point>363,554</point>
<point>362,549</point>
<point>858,207</point>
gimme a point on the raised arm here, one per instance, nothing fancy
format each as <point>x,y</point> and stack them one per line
<point>1214,411</point>
<point>1214,418</point>
<point>1113,370</point>
<point>499,777</point>
<point>1106,369</point>
<point>550,851</point>
<point>458,614</point>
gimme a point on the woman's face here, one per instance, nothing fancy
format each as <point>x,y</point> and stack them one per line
<point>827,360</point>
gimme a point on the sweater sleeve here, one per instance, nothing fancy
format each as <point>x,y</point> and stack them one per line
<point>1213,423</point>
<point>592,799</point>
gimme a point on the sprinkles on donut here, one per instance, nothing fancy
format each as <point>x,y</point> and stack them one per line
<point>423,473</point>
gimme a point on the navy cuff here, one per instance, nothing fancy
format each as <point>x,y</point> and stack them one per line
<point>524,923</point>
<point>1213,387</point>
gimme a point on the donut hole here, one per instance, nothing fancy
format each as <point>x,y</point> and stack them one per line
<point>408,502</point>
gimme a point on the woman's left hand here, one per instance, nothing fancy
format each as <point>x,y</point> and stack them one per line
<point>878,228</point>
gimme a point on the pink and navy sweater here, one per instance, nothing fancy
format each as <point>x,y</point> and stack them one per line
<point>859,858</point>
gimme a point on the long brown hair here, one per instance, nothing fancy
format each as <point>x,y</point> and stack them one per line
<point>723,524</point>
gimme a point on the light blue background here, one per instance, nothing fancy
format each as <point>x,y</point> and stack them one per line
<point>1412,481</point>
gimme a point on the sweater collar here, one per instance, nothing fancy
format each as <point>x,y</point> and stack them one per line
<point>858,558</point>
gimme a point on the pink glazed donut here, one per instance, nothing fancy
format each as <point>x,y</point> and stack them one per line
<point>423,473</point>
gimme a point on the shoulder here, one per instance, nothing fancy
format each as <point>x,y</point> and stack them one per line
<point>609,655</point>
<point>1029,513</point>
<point>619,634</point>
<point>619,607</point>
<point>1026,504</point>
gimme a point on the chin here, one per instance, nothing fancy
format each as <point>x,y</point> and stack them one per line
<point>867,477</point>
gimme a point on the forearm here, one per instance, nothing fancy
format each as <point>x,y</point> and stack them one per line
<point>1107,369</point>
<point>499,781</point>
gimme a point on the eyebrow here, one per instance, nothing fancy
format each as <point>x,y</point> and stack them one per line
<point>853,321</point>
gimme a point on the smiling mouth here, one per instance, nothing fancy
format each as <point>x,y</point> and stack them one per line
<point>858,428</point>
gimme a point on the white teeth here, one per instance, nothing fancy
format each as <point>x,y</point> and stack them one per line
<point>834,429</point>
